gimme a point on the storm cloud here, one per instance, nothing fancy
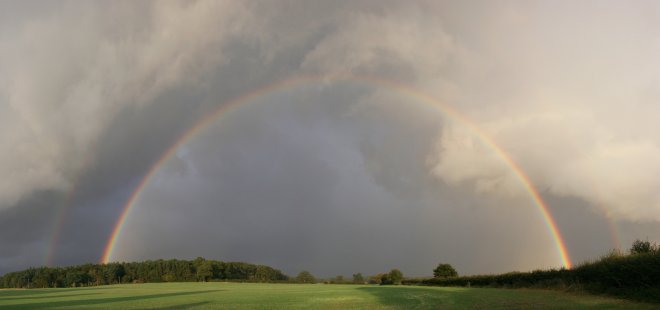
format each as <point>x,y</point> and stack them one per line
<point>332,176</point>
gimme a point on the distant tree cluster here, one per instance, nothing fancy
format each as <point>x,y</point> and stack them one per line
<point>140,272</point>
<point>339,279</point>
<point>394,277</point>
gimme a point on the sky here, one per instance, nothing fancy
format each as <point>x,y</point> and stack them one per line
<point>356,164</point>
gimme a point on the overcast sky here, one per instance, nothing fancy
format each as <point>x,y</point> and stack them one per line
<point>330,176</point>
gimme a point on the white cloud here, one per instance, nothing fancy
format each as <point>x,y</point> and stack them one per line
<point>67,74</point>
<point>574,103</point>
<point>401,44</point>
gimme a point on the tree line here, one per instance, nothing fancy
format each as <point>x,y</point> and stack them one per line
<point>172,270</point>
<point>634,275</point>
<point>394,277</point>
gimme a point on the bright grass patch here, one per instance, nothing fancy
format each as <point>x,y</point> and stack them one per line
<point>219,295</point>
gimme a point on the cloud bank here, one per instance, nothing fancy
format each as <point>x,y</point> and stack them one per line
<point>572,102</point>
<point>91,94</point>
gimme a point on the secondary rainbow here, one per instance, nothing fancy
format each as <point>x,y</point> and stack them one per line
<point>373,81</point>
<point>62,212</point>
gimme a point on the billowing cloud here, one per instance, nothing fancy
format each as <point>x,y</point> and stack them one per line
<point>571,102</point>
<point>401,44</point>
<point>67,74</point>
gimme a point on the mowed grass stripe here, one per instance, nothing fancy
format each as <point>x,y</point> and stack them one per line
<point>218,295</point>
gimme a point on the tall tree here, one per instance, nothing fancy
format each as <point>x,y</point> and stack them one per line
<point>305,277</point>
<point>204,271</point>
<point>114,272</point>
<point>444,271</point>
<point>396,276</point>
<point>358,278</point>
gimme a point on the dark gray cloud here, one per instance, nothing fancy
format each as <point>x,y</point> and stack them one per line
<point>25,228</point>
<point>334,177</point>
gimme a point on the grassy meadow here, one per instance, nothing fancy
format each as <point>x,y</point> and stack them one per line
<point>221,295</point>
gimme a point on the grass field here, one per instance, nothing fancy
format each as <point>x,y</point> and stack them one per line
<point>218,295</point>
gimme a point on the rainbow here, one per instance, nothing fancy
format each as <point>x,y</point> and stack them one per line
<point>59,224</point>
<point>283,84</point>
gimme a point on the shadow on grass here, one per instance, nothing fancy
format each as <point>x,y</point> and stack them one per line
<point>493,298</point>
<point>186,306</point>
<point>54,295</point>
<point>412,297</point>
<point>40,291</point>
<point>100,301</point>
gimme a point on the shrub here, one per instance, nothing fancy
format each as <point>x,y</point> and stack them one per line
<point>635,276</point>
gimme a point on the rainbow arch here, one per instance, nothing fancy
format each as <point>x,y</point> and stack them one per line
<point>234,103</point>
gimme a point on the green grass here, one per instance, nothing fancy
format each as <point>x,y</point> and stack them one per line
<point>217,295</point>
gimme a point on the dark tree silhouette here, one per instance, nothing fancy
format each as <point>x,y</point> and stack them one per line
<point>444,271</point>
